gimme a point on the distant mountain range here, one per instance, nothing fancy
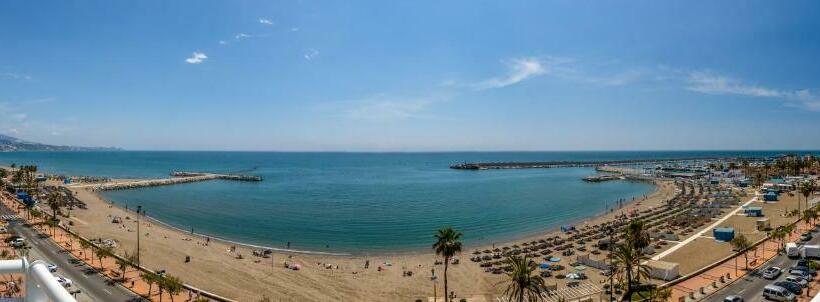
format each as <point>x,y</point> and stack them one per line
<point>8,144</point>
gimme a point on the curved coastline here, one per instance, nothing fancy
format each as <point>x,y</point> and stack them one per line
<point>482,244</point>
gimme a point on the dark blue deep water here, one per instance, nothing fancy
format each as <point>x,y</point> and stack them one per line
<point>357,202</point>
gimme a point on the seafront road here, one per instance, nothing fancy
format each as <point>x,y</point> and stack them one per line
<point>93,286</point>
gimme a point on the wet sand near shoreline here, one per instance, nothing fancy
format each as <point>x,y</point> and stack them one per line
<point>214,267</point>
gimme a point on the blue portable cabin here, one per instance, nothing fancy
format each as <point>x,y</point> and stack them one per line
<point>567,228</point>
<point>770,196</point>
<point>724,234</point>
<point>753,211</point>
<point>67,180</point>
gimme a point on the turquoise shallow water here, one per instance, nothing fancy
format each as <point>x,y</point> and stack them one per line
<point>357,202</point>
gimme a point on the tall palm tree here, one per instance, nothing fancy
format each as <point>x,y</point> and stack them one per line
<point>55,202</point>
<point>631,262</point>
<point>637,236</point>
<point>741,244</point>
<point>524,283</point>
<point>806,188</point>
<point>448,244</point>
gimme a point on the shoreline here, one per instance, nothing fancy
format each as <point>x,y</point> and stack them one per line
<point>321,277</point>
<point>482,244</point>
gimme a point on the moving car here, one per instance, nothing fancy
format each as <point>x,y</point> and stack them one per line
<point>17,242</point>
<point>51,267</point>
<point>771,273</point>
<point>65,282</point>
<point>733,298</point>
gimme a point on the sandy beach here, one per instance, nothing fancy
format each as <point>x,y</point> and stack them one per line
<point>322,277</point>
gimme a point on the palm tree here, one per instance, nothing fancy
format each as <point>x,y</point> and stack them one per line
<point>779,234</point>
<point>806,188</point>
<point>631,262</point>
<point>84,245</point>
<point>172,285</point>
<point>525,285</point>
<point>637,235</point>
<point>448,244</point>
<point>150,279</point>
<point>123,263</point>
<point>660,294</point>
<point>741,244</point>
<point>102,253</point>
<point>55,202</point>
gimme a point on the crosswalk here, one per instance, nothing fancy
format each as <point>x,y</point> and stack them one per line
<point>9,217</point>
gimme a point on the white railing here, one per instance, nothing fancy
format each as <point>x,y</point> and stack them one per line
<point>41,285</point>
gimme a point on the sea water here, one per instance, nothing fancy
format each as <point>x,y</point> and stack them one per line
<point>358,202</point>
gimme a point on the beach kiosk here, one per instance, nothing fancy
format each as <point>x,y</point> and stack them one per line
<point>763,224</point>
<point>754,212</point>
<point>724,234</point>
<point>663,270</point>
<point>770,196</point>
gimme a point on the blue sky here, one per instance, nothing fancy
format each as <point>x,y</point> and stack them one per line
<point>412,75</point>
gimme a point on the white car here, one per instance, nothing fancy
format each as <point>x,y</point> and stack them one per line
<point>17,242</point>
<point>797,279</point>
<point>65,282</point>
<point>3,230</point>
<point>51,267</point>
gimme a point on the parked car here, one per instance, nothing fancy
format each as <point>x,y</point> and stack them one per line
<point>777,293</point>
<point>801,274</point>
<point>804,268</point>
<point>797,279</point>
<point>772,272</point>
<point>51,267</point>
<point>805,236</point>
<point>3,230</point>
<point>733,298</point>
<point>791,286</point>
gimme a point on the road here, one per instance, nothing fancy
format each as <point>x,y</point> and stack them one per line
<point>93,286</point>
<point>750,287</point>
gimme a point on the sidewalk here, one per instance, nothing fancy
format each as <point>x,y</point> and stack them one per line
<point>132,281</point>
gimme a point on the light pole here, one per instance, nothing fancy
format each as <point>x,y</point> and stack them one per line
<point>139,209</point>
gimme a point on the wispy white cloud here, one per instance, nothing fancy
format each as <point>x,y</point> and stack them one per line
<point>310,54</point>
<point>265,21</point>
<point>241,36</point>
<point>15,76</point>
<point>520,69</point>
<point>223,42</point>
<point>384,108</point>
<point>294,29</point>
<point>711,83</point>
<point>196,58</point>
